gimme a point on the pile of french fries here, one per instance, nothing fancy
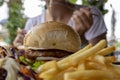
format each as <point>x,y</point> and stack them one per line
<point>89,63</point>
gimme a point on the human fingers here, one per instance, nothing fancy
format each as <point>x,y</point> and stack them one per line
<point>78,25</point>
<point>19,39</point>
<point>83,18</point>
<point>21,31</point>
<point>88,13</point>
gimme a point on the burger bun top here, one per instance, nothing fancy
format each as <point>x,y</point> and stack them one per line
<point>52,35</point>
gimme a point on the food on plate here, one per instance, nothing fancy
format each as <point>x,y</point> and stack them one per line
<point>2,51</point>
<point>3,74</point>
<point>48,41</point>
<point>88,63</point>
<point>51,40</point>
<point>10,70</point>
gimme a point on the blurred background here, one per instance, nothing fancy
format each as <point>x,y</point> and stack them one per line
<point>14,13</point>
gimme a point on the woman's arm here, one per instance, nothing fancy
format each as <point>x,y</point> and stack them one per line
<point>98,38</point>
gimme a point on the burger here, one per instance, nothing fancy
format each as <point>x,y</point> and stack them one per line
<point>49,41</point>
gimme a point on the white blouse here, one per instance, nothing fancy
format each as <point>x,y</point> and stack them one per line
<point>96,29</point>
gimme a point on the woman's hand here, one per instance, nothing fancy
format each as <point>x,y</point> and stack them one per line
<point>19,38</point>
<point>82,20</point>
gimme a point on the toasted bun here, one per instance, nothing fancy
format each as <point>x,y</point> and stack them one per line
<point>52,35</point>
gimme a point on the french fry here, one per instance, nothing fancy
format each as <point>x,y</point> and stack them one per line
<point>94,65</point>
<point>75,54</point>
<point>48,65</point>
<point>99,59</point>
<point>49,73</point>
<point>60,76</point>
<point>91,75</point>
<point>62,64</point>
<point>115,68</point>
<point>81,57</point>
<point>55,70</point>
<point>89,63</point>
<point>57,75</point>
<point>106,51</point>
<point>110,59</point>
<point>81,67</point>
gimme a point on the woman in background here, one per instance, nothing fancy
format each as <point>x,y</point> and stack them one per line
<point>86,20</point>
